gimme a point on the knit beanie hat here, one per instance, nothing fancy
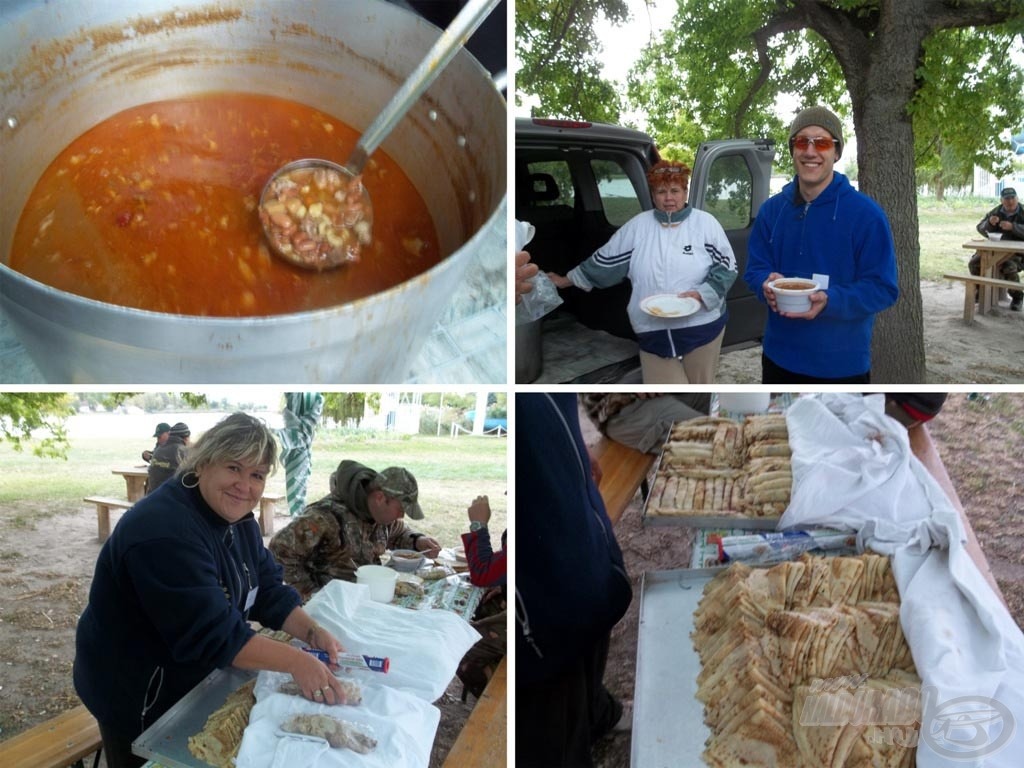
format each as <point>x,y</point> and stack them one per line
<point>818,116</point>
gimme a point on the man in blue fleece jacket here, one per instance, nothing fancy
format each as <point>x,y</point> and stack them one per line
<point>820,227</point>
<point>571,589</point>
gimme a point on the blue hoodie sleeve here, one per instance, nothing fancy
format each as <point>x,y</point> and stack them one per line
<point>759,256</point>
<point>875,287</point>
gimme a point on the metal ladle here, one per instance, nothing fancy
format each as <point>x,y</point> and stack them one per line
<point>317,241</point>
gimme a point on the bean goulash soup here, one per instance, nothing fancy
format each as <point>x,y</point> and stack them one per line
<point>156,208</point>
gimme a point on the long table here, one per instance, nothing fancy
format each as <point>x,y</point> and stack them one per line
<point>134,479</point>
<point>668,720</point>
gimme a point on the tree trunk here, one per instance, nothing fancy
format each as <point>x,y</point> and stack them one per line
<point>885,158</point>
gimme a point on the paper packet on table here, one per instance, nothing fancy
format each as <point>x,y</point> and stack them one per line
<point>779,547</point>
<point>544,297</point>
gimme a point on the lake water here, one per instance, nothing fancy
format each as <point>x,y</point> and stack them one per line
<point>138,425</point>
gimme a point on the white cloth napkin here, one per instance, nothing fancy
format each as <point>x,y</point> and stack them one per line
<point>402,723</point>
<point>852,466</point>
<point>424,646</point>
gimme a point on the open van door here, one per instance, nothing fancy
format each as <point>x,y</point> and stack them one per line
<point>731,179</point>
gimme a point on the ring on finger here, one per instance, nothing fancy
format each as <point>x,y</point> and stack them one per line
<point>318,694</point>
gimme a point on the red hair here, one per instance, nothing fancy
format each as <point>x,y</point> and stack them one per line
<point>666,172</point>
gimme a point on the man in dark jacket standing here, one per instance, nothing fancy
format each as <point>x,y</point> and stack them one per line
<point>571,589</point>
<point>166,458</point>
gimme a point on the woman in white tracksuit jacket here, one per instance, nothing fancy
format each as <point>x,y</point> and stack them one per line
<point>673,249</point>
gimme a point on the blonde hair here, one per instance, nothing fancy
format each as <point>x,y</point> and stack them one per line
<point>238,437</point>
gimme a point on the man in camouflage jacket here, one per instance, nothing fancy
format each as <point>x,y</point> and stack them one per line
<point>353,526</point>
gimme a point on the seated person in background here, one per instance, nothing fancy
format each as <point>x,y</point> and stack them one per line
<point>642,420</point>
<point>350,527</point>
<point>1007,219</point>
<point>162,432</point>
<point>914,408</point>
<point>486,569</point>
<point>166,458</point>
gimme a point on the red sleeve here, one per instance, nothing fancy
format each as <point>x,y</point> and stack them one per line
<point>486,567</point>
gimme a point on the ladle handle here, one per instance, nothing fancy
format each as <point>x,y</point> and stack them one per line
<point>426,72</point>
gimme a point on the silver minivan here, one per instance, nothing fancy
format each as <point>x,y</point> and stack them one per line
<point>577,182</point>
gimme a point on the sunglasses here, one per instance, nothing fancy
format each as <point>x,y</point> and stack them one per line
<point>820,143</point>
<point>668,169</point>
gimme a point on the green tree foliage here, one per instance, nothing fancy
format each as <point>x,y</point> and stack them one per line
<point>345,406</point>
<point>560,58</point>
<point>970,95</point>
<point>36,419</point>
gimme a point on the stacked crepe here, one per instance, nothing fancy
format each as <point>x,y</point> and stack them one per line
<point>718,466</point>
<point>805,664</point>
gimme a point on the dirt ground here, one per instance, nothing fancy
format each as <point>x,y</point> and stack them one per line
<point>980,443</point>
<point>991,351</point>
<point>45,572</point>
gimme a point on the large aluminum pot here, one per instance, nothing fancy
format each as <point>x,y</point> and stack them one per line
<point>65,66</point>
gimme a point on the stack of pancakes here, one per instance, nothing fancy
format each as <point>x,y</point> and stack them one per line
<point>718,466</point>
<point>805,664</point>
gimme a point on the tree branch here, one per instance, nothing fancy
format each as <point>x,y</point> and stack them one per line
<point>777,25</point>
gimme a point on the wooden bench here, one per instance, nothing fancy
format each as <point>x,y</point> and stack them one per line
<point>64,740</point>
<point>481,742</point>
<point>268,506</point>
<point>103,506</point>
<point>623,472</point>
<point>976,281</point>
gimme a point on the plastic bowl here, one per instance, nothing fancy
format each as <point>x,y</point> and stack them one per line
<point>995,235</point>
<point>407,560</point>
<point>380,580</point>
<point>793,294</point>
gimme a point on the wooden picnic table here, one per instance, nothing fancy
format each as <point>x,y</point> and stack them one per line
<point>482,741</point>
<point>135,480</point>
<point>993,253</point>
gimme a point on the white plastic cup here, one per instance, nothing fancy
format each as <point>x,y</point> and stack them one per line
<point>793,299</point>
<point>380,580</point>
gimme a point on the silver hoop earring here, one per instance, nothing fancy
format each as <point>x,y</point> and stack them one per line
<point>194,485</point>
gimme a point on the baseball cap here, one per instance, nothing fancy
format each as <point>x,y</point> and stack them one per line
<point>1009,192</point>
<point>398,483</point>
<point>162,427</point>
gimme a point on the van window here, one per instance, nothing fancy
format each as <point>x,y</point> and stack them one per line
<point>551,184</point>
<point>729,196</point>
<point>618,196</point>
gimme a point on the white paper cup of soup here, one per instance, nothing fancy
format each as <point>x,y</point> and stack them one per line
<point>995,235</point>
<point>793,294</point>
<point>380,580</point>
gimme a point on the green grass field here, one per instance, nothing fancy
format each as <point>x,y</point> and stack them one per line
<point>450,472</point>
<point>944,227</point>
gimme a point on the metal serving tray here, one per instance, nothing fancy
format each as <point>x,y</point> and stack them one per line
<point>668,721</point>
<point>166,740</point>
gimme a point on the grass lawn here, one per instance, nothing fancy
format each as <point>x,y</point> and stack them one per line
<point>450,472</point>
<point>944,227</point>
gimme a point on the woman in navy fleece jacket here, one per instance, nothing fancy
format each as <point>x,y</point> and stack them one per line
<point>820,226</point>
<point>176,585</point>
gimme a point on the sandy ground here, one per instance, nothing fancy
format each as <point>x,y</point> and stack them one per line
<point>44,588</point>
<point>991,351</point>
<point>979,442</point>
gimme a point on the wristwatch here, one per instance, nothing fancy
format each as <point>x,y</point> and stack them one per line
<point>476,525</point>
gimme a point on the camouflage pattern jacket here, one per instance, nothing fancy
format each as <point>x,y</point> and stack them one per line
<point>333,537</point>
